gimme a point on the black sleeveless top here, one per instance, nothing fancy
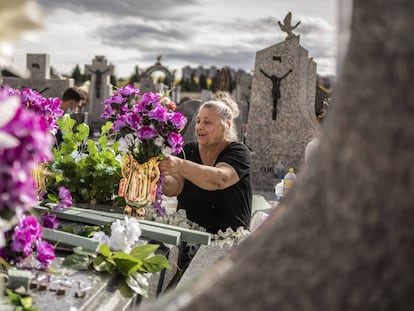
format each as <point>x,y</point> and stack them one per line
<point>219,209</point>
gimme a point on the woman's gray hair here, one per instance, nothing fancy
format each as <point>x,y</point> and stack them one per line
<point>227,109</point>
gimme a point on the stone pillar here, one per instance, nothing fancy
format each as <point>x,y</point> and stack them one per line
<point>40,78</point>
<point>285,138</point>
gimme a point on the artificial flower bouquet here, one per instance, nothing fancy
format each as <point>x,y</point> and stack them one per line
<point>148,129</point>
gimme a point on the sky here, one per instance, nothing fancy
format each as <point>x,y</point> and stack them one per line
<point>217,33</point>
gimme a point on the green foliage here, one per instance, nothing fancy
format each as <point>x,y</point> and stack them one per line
<point>135,77</point>
<point>77,76</point>
<point>21,303</point>
<point>133,266</point>
<point>90,170</point>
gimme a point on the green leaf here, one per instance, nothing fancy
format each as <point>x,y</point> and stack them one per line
<point>100,264</point>
<point>143,251</point>
<point>21,303</point>
<point>77,261</point>
<point>92,147</point>
<point>139,283</point>
<point>104,250</point>
<point>106,127</point>
<point>155,263</point>
<point>66,123</point>
<point>103,141</point>
<point>125,263</point>
<point>83,131</point>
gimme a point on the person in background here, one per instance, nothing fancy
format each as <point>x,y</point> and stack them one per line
<point>73,99</point>
<point>314,143</point>
<point>211,177</point>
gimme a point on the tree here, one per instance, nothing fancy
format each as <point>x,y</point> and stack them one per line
<point>343,237</point>
<point>203,82</point>
<point>77,76</point>
<point>135,77</point>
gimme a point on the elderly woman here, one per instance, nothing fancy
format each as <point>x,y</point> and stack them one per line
<point>211,178</point>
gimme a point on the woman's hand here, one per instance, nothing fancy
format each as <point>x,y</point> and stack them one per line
<point>170,166</point>
<point>174,182</point>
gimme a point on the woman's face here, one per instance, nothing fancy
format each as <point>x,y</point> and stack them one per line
<point>209,129</point>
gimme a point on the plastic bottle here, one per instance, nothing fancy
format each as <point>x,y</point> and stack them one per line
<point>288,181</point>
<point>279,191</point>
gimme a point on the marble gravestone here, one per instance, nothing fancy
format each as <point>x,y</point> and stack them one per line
<point>40,78</point>
<point>99,90</point>
<point>284,75</point>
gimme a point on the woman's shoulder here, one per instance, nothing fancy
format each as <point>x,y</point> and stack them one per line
<point>235,145</point>
<point>191,145</point>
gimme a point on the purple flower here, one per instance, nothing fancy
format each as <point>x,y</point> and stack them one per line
<point>146,132</point>
<point>176,141</point>
<point>158,113</point>
<point>45,253</point>
<point>128,90</point>
<point>178,120</point>
<point>30,224</point>
<point>22,242</point>
<point>65,198</point>
<point>150,98</point>
<point>49,220</point>
<point>157,205</point>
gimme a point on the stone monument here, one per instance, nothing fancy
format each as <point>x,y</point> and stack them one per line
<point>40,79</point>
<point>147,83</point>
<point>100,89</point>
<point>282,108</point>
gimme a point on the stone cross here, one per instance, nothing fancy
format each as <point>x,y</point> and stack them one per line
<point>100,88</point>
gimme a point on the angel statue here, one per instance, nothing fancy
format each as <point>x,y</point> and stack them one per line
<point>287,26</point>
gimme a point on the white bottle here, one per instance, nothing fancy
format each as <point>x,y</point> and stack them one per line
<point>279,191</point>
<point>288,181</point>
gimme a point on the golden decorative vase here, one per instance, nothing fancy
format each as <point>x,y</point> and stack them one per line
<point>139,185</point>
<point>39,174</point>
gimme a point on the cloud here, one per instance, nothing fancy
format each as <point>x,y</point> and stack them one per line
<point>189,32</point>
<point>149,9</point>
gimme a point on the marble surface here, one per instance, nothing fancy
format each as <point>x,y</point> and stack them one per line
<point>285,138</point>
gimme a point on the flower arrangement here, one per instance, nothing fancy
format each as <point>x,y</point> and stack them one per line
<point>25,141</point>
<point>146,127</point>
<point>122,252</point>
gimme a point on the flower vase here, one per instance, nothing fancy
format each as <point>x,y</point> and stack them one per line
<point>39,174</point>
<point>139,185</point>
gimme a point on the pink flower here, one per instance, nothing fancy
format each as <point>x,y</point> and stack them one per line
<point>49,220</point>
<point>146,132</point>
<point>178,120</point>
<point>65,198</point>
<point>158,113</point>
<point>176,141</point>
<point>45,253</point>
<point>22,242</point>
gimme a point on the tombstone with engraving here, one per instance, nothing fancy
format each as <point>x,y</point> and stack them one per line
<point>40,78</point>
<point>100,89</point>
<point>282,108</point>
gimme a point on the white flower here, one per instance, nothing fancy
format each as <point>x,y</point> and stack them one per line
<point>127,141</point>
<point>159,141</point>
<point>100,237</point>
<point>167,151</point>
<point>124,235</point>
<point>133,230</point>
